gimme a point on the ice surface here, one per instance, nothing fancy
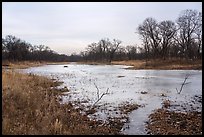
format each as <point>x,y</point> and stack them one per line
<point>123,85</point>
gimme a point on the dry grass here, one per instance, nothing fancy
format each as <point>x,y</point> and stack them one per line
<point>128,107</point>
<point>31,107</point>
<point>161,64</point>
<point>26,64</point>
<point>165,122</point>
<point>94,62</point>
<point>135,63</point>
<point>21,64</point>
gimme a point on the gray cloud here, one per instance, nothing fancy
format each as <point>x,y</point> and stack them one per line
<point>69,27</point>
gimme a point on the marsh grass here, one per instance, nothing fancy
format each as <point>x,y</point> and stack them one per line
<point>168,64</point>
<point>25,64</point>
<point>30,106</point>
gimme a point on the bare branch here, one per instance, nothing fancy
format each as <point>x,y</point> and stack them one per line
<point>98,96</point>
<point>97,90</point>
<point>184,83</point>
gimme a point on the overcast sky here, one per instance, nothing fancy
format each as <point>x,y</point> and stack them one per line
<point>68,27</point>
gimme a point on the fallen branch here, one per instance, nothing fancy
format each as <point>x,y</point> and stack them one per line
<point>98,95</point>
<point>184,83</point>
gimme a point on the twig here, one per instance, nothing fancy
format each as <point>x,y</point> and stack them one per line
<point>184,83</point>
<point>97,90</point>
<point>98,96</point>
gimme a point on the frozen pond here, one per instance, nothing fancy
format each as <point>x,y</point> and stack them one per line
<point>123,86</point>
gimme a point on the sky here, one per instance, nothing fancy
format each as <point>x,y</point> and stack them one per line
<point>68,27</point>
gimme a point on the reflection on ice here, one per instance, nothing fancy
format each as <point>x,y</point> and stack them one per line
<point>124,85</point>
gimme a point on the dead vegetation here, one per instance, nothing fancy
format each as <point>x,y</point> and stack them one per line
<point>21,64</point>
<point>184,83</point>
<point>26,64</point>
<point>128,107</point>
<point>165,122</point>
<point>30,107</point>
<point>99,97</point>
<point>161,64</point>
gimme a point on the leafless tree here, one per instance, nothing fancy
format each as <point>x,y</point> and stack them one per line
<point>15,49</point>
<point>149,30</point>
<point>103,47</point>
<point>189,22</point>
<point>103,50</point>
<point>120,54</point>
<point>131,52</point>
<point>112,48</point>
<point>198,36</point>
<point>167,30</point>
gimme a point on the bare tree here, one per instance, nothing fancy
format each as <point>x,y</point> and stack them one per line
<point>198,38</point>
<point>120,53</point>
<point>131,52</point>
<point>149,31</point>
<point>92,50</point>
<point>188,22</point>
<point>167,30</point>
<point>103,46</point>
<point>112,48</point>
<point>103,50</point>
<point>15,49</point>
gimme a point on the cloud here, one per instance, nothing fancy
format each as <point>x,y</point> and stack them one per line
<point>74,25</point>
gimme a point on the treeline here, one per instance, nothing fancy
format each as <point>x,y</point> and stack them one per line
<point>106,50</point>
<point>165,39</point>
<point>15,49</point>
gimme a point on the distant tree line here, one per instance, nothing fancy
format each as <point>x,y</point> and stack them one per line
<point>165,39</point>
<point>15,49</point>
<point>104,50</point>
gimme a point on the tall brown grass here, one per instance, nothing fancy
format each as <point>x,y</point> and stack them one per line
<point>26,64</point>
<point>167,64</point>
<point>30,106</point>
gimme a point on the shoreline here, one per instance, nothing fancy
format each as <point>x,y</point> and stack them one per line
<point>33,64</point>
<point>27,64</point>
<point>173,64</point>
<point>42,84</point>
